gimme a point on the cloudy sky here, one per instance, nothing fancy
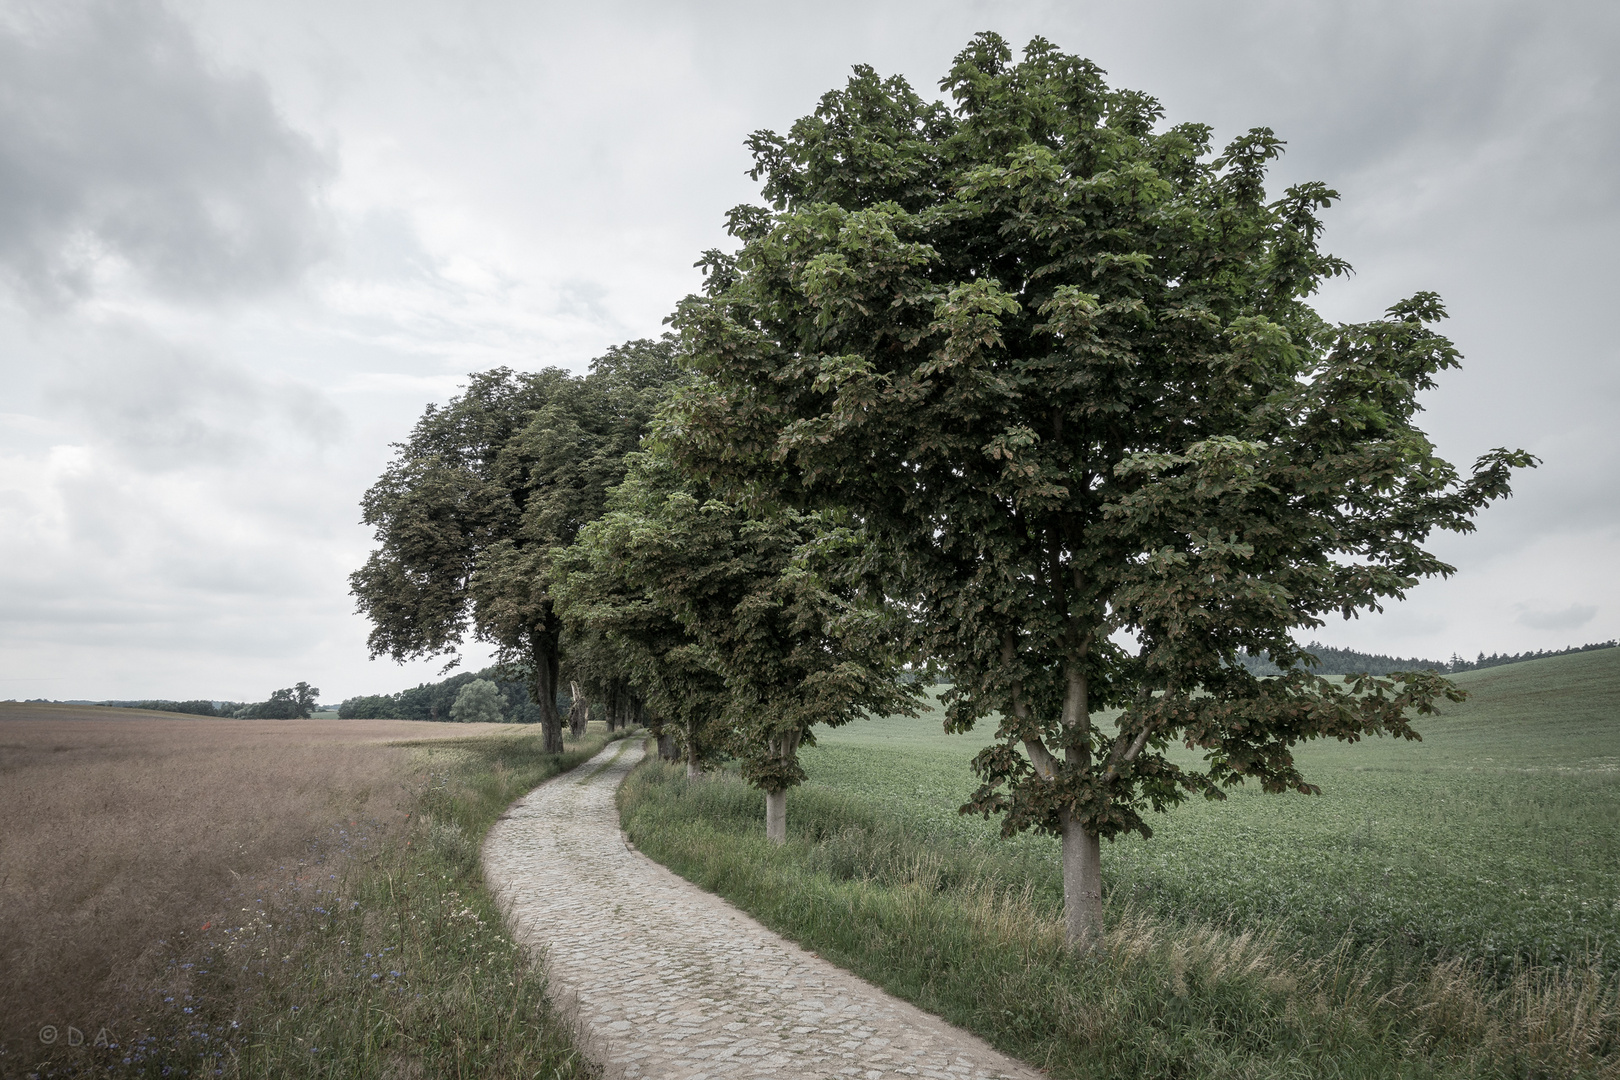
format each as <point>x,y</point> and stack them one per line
<point>242,244</point>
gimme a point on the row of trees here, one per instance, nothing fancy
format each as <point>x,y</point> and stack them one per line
<point>1027,388</point>
<point>294,702</point>
<point>1457,663</point>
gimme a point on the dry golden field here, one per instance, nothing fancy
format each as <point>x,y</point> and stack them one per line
<point>123,829</point>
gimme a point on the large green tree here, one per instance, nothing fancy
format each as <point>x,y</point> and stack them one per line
<point>481,497</point>
<point>759,599</point>
<point>601,599</point>
<point>478,703</point>
<point>293,703</point>
<point>1058,360</point>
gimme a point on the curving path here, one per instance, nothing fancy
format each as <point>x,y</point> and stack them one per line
<point>673,982</point>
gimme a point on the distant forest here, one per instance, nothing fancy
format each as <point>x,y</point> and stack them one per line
<point>432,701</point>
<point>298,701</point>
<point>196,708</point>
<point>1349,662</point>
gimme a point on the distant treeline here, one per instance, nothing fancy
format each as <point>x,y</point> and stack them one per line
<point>198,708</point>
<point>1350,662</point>
<point>433,701</point>
<point>297,701</point>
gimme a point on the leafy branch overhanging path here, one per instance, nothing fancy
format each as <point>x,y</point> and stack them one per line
<point>673,982</point>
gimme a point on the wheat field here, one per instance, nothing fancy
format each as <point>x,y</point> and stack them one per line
<point>123,830</point>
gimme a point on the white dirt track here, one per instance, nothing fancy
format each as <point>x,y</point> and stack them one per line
<point>673,982</point>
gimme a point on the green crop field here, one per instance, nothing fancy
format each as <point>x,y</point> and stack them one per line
<point>1444,908</point>
<point>1497,836</point>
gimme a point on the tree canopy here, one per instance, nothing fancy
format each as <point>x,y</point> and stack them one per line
<point>746,630</point>
<point>292,703</point>
<point>1058,362</point>
<point>479,702</point>
<point>481,497</point>
<point>1029,385</point>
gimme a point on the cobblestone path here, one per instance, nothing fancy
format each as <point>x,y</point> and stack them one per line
<point>673,982</point>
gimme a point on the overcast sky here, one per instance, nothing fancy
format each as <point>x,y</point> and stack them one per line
<point>242,244</point>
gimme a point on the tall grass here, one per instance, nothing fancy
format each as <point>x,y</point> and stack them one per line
<point>120,832</point>
<point>379,954</point>
<point>972,933</point>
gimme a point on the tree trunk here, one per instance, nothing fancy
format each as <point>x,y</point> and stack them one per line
<point>579,711</point>
<point>1082,886</point>
<point>783,746</point>
<point>776,816</point>
<point>693,768</point>
<point>1082,851</point>
<point>666,747</point>
<point>544,689</point>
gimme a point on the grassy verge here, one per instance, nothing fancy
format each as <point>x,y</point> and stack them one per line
<point>1495,839</point>
<point>972,931</point>
<point>380,954</point>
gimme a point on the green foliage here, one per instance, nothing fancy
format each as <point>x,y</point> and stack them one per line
<point>369,707</point>
<point>478,703</point>
<point>477,502</point>
<point>296,702</point>
<point>433,701</point>
<point>1059,361</point>
<point>601,597</point>
<point>753,599</point>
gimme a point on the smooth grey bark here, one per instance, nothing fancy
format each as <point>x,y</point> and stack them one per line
<point>776,816</point>
<point>579,711</point>
<point>1082,851</point>
<point>1082,885</point>
<point>785,746</point>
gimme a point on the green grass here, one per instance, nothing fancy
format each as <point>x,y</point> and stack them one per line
<point>1497,837</point>
<point>1437,911</point>
<point>378,956</point>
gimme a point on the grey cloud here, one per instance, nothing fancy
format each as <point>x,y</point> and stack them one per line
<point>165,406</point>
<point>382,244</point>
<point>587,300</point>
<point>119,141</point>
<point>1570,618</point>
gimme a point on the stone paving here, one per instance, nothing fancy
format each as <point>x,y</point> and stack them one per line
<point>673,982</point>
